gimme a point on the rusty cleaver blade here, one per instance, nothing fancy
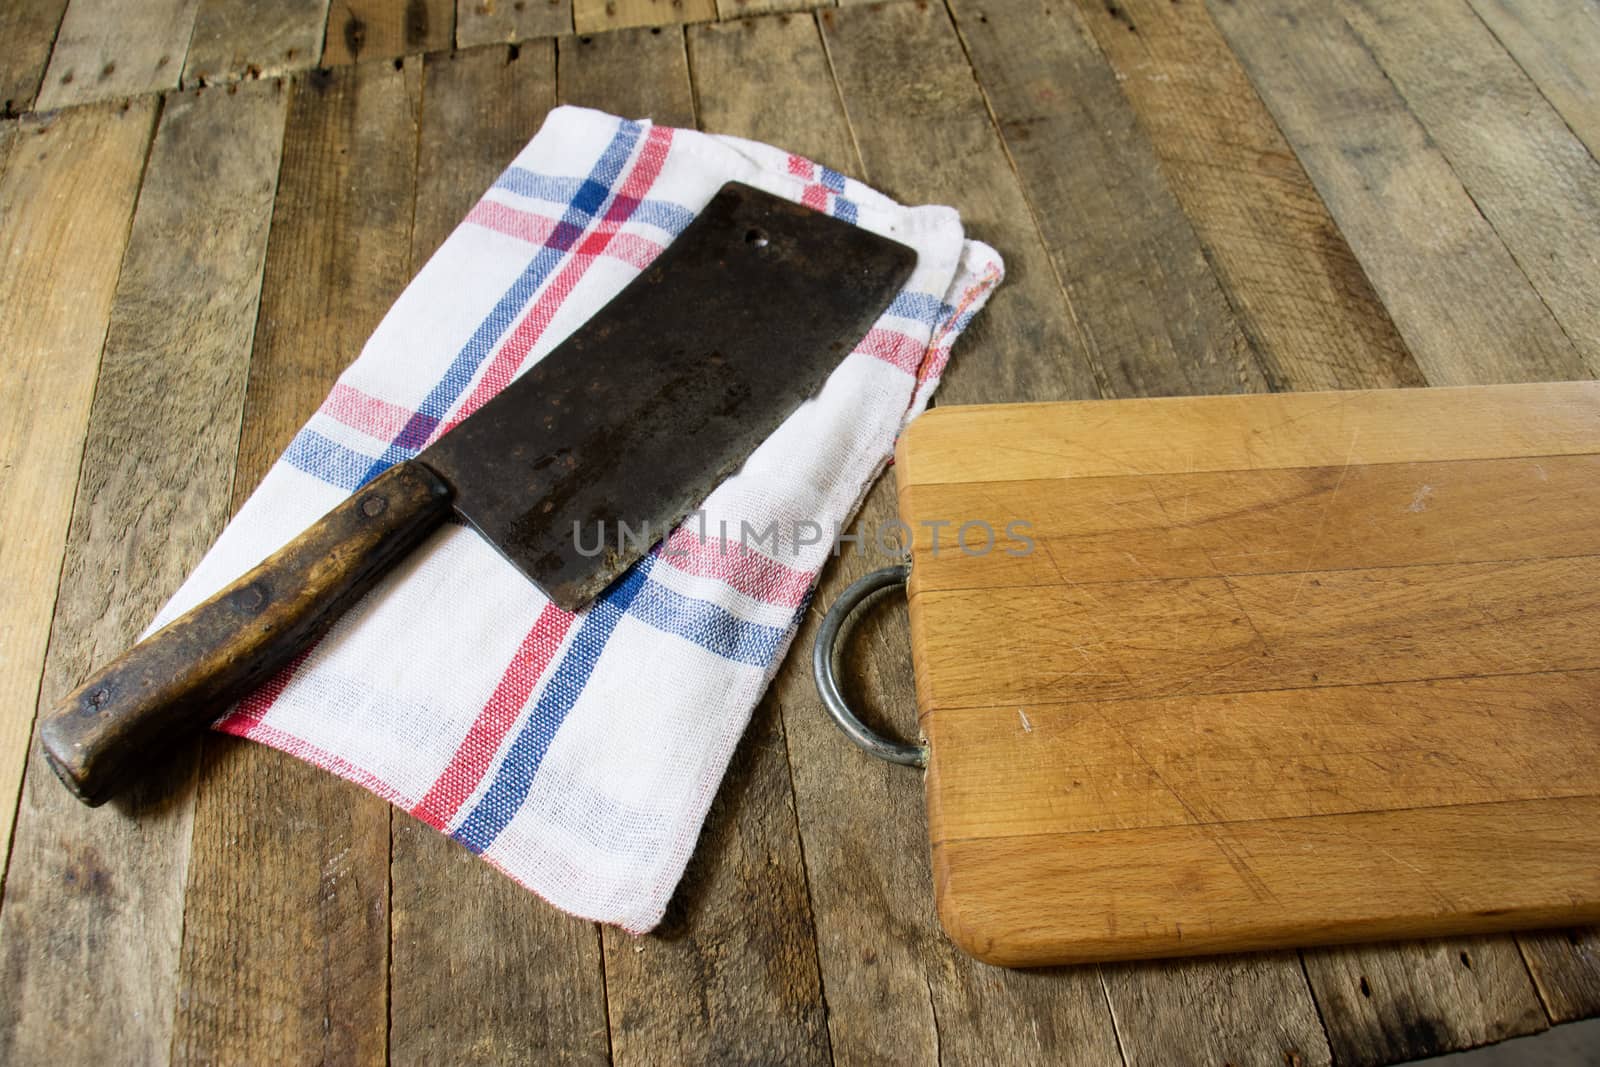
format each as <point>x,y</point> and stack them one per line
<point>632,419</point>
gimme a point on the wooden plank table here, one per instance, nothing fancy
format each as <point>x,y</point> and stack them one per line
<point>1191,197</point>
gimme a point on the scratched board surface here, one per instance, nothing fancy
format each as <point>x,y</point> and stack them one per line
<point>1202,675</point>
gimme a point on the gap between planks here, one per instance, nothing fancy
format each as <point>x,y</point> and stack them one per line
<point>66,54</point>
<point>143,515</point>
<point>737,946</point>
<point>293,910</point>
<point>706,27</point>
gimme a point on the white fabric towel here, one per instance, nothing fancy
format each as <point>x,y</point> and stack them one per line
<point>579,754</point>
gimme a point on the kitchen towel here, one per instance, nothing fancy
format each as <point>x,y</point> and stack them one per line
<point>580,753</point>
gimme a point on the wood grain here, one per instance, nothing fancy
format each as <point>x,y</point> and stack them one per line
<point>925,137</point>
<point>1241,1010</point>
<point>1086,765</point>
<point>94,902</point>
<point>507,21</point>
<point>785,50</point>
<point>735,951</point>
<point>736,9</point>
<point>1536,184</point>
<point>1310,430</point>
<point>854,877</point>
<point>112,48</point>
<point>384,29</point>
<point>1119,894</point>
<point>1008,347</point>
<point>1024,347</point>
<point>1228,433</point>
<point>1133,270</point>
<point>238,39</point>
<point>1301,297</point>
<point>1350,172</point>
<point>1245,632</point>
<point>53,246</point>
<point>286,924</point>
<point>1565,965</point>
<point>537,991</point>
<point>606,72</point>
<point>538,984</point>
<point>1303,302</point>
<point>597,16</point>
<point>1554,43</point>
<point>1110,446</point>
<point>480,108</point>
<point>1298,692</point>
<point>1256,522</point>
<point>1385,1008</point>
<point>880,951</point>
<point>27,32</point>
<point>1464,307</point>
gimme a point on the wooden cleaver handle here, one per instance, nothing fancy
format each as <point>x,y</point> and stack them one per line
<point>184,676</point>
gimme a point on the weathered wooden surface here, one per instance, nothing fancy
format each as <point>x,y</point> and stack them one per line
<point>286,924</point>
<point>596,16</point>
<point>1183,1012</point>
<point>1535,183</point>
<point>1329,210</point>
<point>737,9</point>
<point>27,34</point>
<point>1465,309</point>
<point>66,201</point>
<point>538,991</point>
<point>95,902</point>
<point>237,39</point>
<point>112,48</point>
<point>479,109</point>
<point>1393,1006</point>
<point>1144,296</point>
<point>1565,965</point>
<point>1367,150</point>
<point>375,29</point>
<point>786,51</point>
<point>639,74</point>
<point>1300,294</point>
<point>863,822</point>
<point>736,949</point>
<point>496,21</point>
<point>1554,43</point>
<point>924,134</point>
<point>1241,1010</point>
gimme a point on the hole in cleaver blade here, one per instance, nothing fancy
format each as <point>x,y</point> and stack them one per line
<point>638,415</point>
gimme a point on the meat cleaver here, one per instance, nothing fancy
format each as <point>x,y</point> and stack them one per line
<point>633,419</point>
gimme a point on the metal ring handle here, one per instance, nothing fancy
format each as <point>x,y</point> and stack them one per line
<point>824,652</point>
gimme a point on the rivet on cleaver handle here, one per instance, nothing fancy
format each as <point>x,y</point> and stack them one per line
<point>632,420</point>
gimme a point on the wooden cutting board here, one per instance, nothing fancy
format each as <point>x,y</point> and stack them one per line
<point>1278,670</point>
